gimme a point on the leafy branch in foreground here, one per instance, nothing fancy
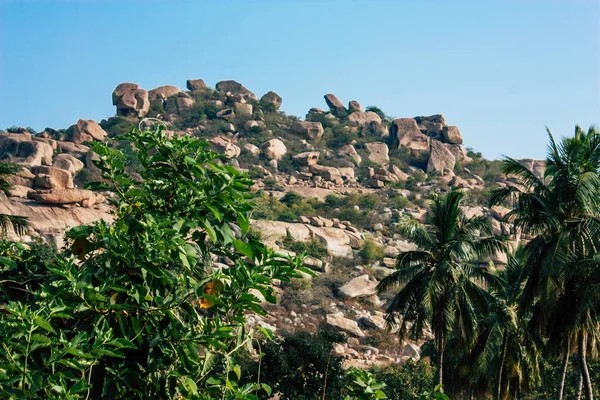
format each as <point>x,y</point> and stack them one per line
<point>137,308</point>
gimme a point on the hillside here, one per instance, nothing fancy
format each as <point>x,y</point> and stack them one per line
<point>333,184</point>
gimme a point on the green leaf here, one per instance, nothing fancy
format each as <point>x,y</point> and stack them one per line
<point>42,323</point>
<point>238,372</point>
<point>209,230</point>
<point>244,248</point>
<point>266,388</point>
<point>210,360</point>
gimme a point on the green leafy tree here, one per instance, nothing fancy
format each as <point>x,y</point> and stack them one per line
<point>138,310</point>
<point>442,278</point>
<point>364,385</point>
<point>561,213</point>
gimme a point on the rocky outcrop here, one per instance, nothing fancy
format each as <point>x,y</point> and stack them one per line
<point>272,98</point>
<point>235,88</point>
<point>87,130</point>
<point>452,135</point>
<point>21,149</point>
<point>68,163</point>
<point>244,109</point>
<point>335,105</point>
<point>86,198</point>
<point>178,103</point>
<point>440,158</point>
<point>307,129</point>
<point>354,106</point>
<point>538,167</point>
<point>195,85</point>
<point>162,93</point>
<point>274,149</point>
<point>226,114</point>
<point>52,178</point>
<point>405,132</point>
<point>378,152</point>
<point>361,118</point>
<point>131,100</point>
<point>351,153</point>
<point>331,174</point>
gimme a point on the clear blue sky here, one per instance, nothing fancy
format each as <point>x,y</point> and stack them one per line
<point>500,70</point>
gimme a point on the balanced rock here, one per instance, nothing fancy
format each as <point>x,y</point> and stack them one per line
<point>244,109</point>
<point>307,129</point>
<point>235,88</point>
<point>68,163</point>
<point>272,98</point>
<point>354,106</point>
<point>226,114</point>
<point>331,174</point>
<point>452,135</point>
<point>131,100</point>
<point>335,105</point>
<point>52,178</point>
<point>405,132</point>
<point>195,85</point>
<point>87,130</point>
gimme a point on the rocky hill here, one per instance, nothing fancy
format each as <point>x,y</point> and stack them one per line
<point>333,184</point>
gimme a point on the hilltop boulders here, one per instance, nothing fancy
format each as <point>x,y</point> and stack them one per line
<point>195,85</point>
<point>87,198</point>
<point>87,130</point>
<point>363,118</point>
<point>272,98</point>
<point>361,286</point>
<point>235,88</point>
<point>336,106</point>
<point>224,146</point>
<point>354,106</point>
<point>405,132</point>
<point>162,93</point>
<point>307,158</point>
<point>131,100</point>
<point>52,178</point>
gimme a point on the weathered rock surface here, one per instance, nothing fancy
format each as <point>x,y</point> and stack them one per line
<point>272,98</point>
<point>378,152</point>
<point>20,149</point>
<point>162,93</point>
<point>354,106</point>
<point>307,158</point>
<point>68,163</point>
<point>131,100</point>
<point>87,130</point>
<point>405,132</point>
<point>336,106</point>
<point>274,149</point>
<point>52,178</point>
<point>363,117</point>
<point>87,198</point>
<point>179,103</point>
<point>440,158</point>
<point>195,85</point>
<point>224,146</point>
<point>361,286</point>
<point>452,135</point>
<point>235,88</point>
<point>307,129</point>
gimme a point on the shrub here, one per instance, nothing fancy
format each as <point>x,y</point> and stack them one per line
<point>133,310</point>
<point>312,247</point>
<point>371,251</point>
<point>408,380</point>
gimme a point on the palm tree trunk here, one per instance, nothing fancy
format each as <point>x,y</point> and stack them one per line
<point>441,359</point>
<point>563,373</point>
<point>501,369</point>
<point>585,374</point>
<point>579,387</point>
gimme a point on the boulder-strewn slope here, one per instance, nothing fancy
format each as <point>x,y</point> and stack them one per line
<point>334,184</point>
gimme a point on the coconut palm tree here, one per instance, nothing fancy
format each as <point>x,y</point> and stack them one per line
<point>561,214</point>
<point>17,223</point>
<point>441,282</point>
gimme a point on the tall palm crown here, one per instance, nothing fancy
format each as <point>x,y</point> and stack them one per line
<point>17,223</point>
<point>442,280</point>
<point>561,214</point>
